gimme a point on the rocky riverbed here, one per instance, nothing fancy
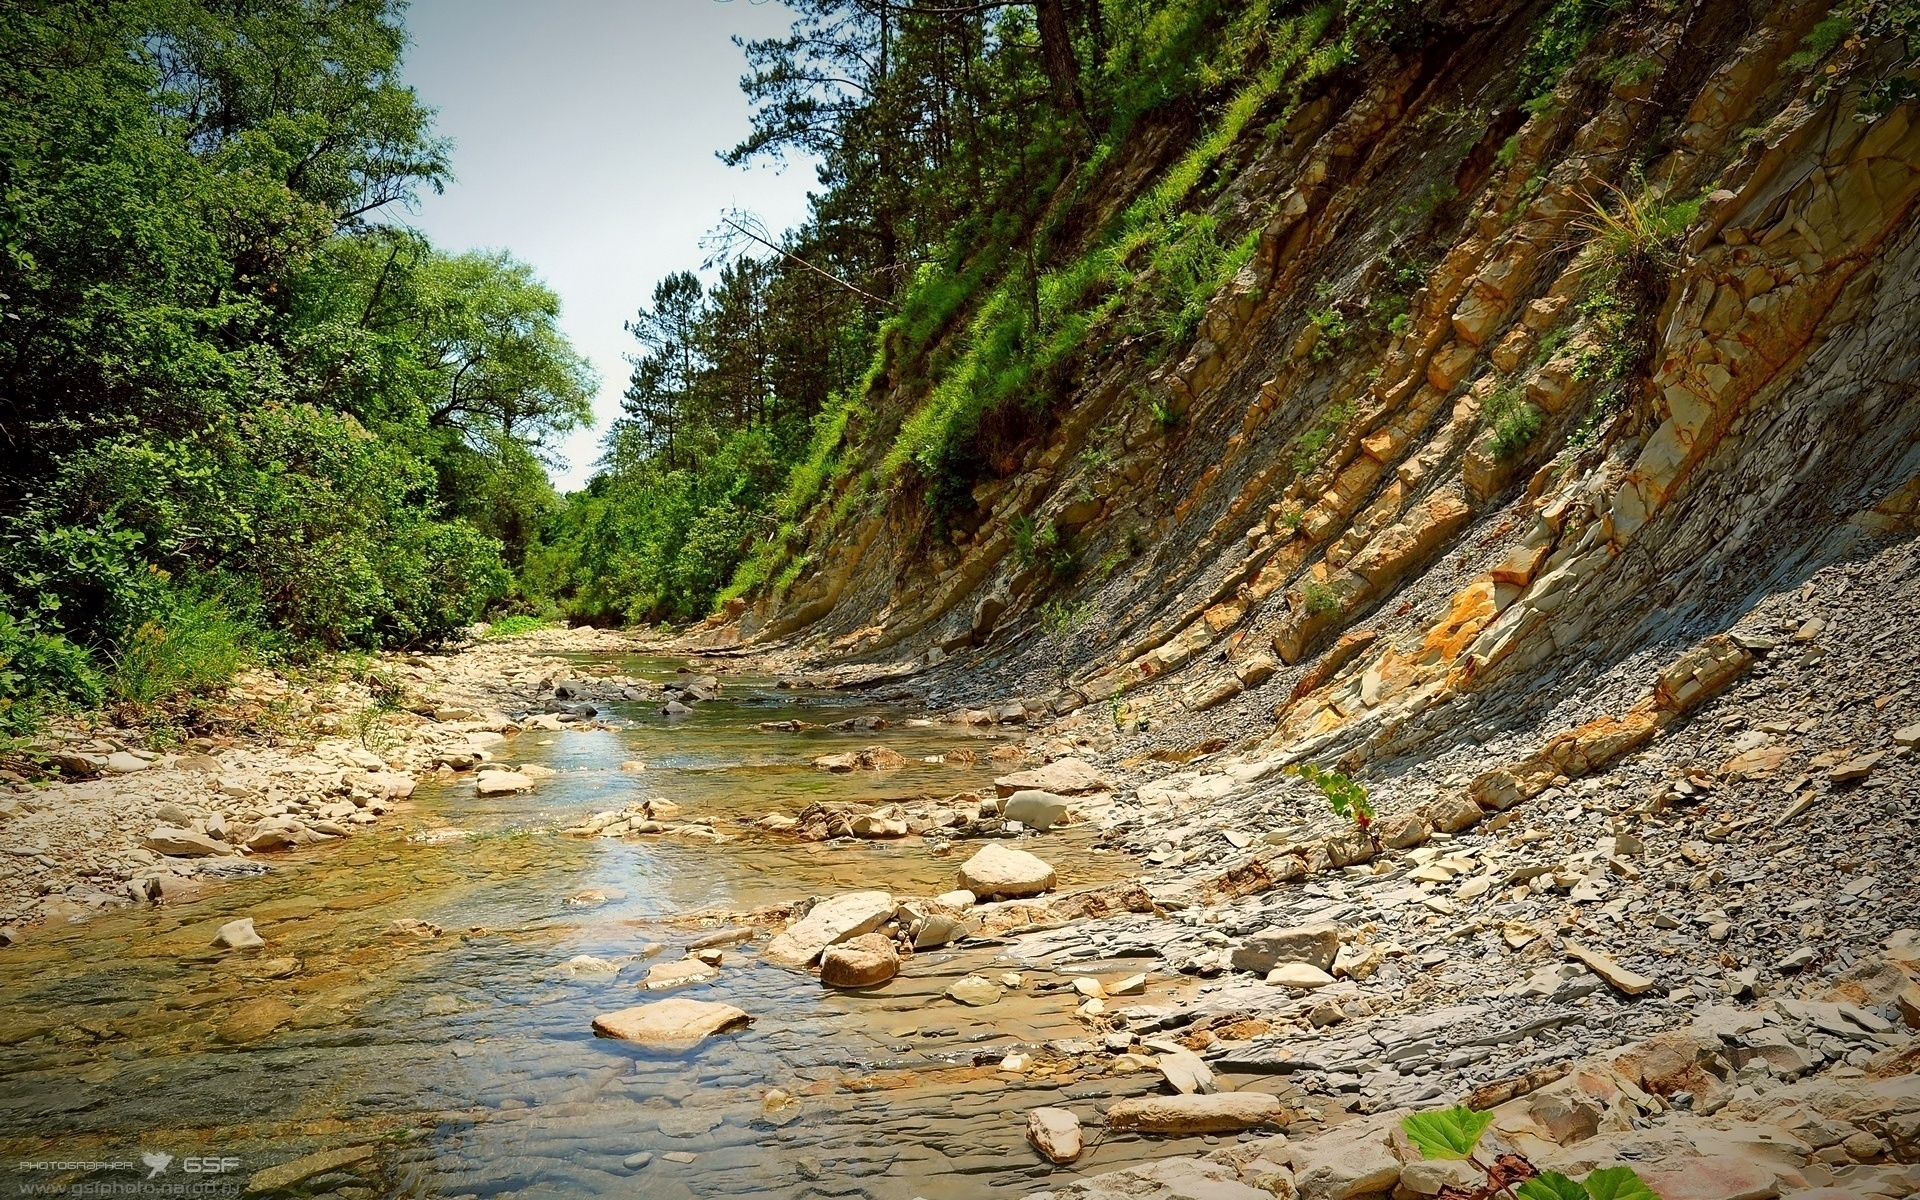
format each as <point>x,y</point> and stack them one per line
<point>834,938</point>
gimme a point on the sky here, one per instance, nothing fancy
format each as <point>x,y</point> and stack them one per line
<point>584,139</point>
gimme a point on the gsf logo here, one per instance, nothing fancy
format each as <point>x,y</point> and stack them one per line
<point>209,1165</point>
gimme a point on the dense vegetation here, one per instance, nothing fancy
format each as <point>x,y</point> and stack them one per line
<point>243,410</point>
<point>950,254</point>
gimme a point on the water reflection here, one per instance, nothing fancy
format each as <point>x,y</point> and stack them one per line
<point>467,1058</point>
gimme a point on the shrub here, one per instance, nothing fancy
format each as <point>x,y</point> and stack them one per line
<point>517,624</point>
<point>1318,598</point>
<point>1346,797</point>
<point>41,673</point>
<point>193,648</point>
<point>1513,422</point>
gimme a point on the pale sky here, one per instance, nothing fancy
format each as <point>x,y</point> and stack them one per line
<point>585,133</point>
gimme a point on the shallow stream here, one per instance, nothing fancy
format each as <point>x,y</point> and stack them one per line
<point>468,1060</point>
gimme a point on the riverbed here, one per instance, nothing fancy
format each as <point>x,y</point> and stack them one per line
<point>462,1062</point>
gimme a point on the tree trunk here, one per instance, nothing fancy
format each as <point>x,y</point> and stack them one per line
<point>1056,48</point>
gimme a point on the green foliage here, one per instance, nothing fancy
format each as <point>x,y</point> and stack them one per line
<point>41,673</point>
<point>1334,333</point>
<point>192,649</point>
<point>1062,617</point>
<point>1560,38</point>
<point>1824,38</point>
<point>1318,598</point>
<point>1348,799</point>
<point>1512,422</point>
<point>519,623</point>
<point>1308,446</point>
<point>1449,1133</point>
<point>1550,1185</point>
<point>1617,1183</point>
<point>1042,546</point>
<point>1607,1183</point>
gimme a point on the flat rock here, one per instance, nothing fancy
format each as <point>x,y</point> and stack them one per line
<point>1055,1133</point>
<point>501,783</point>
<point>865,961</point>
<point>997,871</point>
<point>126,764</point>
<point>830,921</point>
<point>1221,1112</point>
<point>1035,809</point>
<point>1304,976</point>
<point>661,976</point>
<point>1065,777</point>
<point>1355,1161</point>
<point>1630,983</point>
<point>183,843</point>
<point>1317,944</point>
<point>1710,1177</point>
<point>670,1024</point>
<point>255,1019</point>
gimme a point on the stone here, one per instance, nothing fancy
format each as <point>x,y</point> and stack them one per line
<point>176,842</point>
<point>1710,1177</point>
<point>633,1162</point>
<point>975,991</point>
<point>875,825</point>
<point>1035,809</point>
<point>830,921</point>
<point>238,935</point>
<point>501,783</point>
<point>1055,1133</point>
<point>126,764</point>
<point>1855,769</point>
<point>1453,812</point>
<point>670,1024</point>
<point>1304,976</point>
<point>1909,737</point>
<point>1317,944</point>
<point>862,962</point>
<point>661,976</point>
<point>1348,1162</point>
<point>1221,1112</point>
<point>1185,1071</point>
<point>1064,777</point>
<point>322,1162</point>
<point>1427,1176</point>
<point>839,764</point>
<point>1619,978</point>
<point>997,872</point>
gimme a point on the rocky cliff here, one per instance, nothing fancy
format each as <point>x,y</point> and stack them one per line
<point>1506,398</point>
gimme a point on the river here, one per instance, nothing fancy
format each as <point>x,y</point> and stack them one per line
<point>463,1064</point>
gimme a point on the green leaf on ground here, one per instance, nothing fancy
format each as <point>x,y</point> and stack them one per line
<point>1618,1183</point>
<point>1449,1133</point>
<point>1551,1185</point>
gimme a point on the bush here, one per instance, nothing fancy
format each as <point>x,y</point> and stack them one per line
<point>1513,422</point>
<point>192,649</point>
<point>41,673</point>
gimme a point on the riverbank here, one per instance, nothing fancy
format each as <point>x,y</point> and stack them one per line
<point>120,816</point>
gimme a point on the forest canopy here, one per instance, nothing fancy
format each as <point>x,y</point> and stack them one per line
<point>244,408</point>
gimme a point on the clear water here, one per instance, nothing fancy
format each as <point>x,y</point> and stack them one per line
<point>471,1064</point>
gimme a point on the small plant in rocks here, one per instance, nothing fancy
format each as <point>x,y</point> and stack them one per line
<point>1345,796</point>
<point>1454,1133</point>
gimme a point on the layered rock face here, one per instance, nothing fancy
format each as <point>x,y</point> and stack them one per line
<point>1657,358</point>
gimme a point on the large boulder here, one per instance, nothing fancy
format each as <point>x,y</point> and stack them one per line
<point>670,1024</point>
<point>998,872</point>
<point>183,843</point>
<point>501,783</point>
<point>1066,777</point>
<point>1316,945</point>
<point>866,961</point>
<point>830,921</point>
<point>279,833</point>
<point>1221,1112</point>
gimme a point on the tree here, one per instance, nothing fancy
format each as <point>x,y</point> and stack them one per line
<point>660,397</point>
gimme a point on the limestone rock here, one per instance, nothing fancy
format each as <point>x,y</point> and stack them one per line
<point>238,935</point>
<point>1055,1133</point>
<point>670,1024</point>
<point>830,921</point>
<point>661,976</point>
<point>287,1174</point>
<point>1065,777</point>
<point>1221,1112</point>
<point>1302,976</point>
<point>997,872</point>
<point>501,783</point>
<point>1035,809</point>
<point>862,962</point>
<point>975,991</point>
<point>1316,944</point>
<point>183,843</point>
<point>1349,1162</point>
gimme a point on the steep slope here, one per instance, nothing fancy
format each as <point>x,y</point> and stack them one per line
<point>1504,395</point>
